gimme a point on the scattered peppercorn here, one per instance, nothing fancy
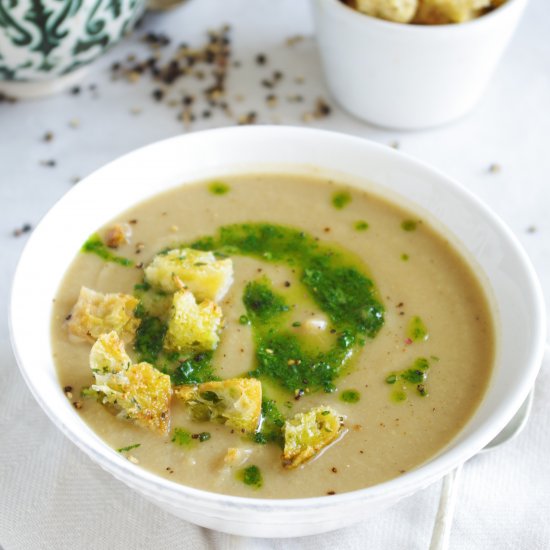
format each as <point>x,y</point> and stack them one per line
<point>25,228</point>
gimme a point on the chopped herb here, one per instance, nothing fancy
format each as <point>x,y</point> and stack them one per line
<point>417,330</point>
<point>409,225</point>
<point>361,226</point>
<point>218,188</point>
<point>88,392</point>
<point>182,437</point>
<point>350,396</point>
<point>296,324</point>
<point>204,436</point>
<point>341,199</point>
<point>129,448</point>
<point>405,257</point>
<point>413,376</point>
<point>210,396</point>
<point>251,476</point>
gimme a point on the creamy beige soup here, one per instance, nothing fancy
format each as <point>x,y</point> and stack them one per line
<point>390,424</point>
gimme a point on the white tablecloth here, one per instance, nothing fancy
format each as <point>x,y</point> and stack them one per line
<point>51,495</point>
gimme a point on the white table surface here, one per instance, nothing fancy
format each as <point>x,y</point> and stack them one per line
<point>69,502</point>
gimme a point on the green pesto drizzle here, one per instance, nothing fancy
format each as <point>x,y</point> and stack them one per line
<point>350,396</point>
<point>149,338</point>
<point>251,476</point>
<point>335,280</point>
<point>415,376</point>
<point>218,188</point>
<point>94,245</point>
<point>341,199</point>
<point>360,225</point>
<point>417,330</point>
<point>271,425</point>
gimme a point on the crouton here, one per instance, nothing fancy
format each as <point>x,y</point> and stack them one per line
<point>400,11</point>
<point>118,234</point>
<point>438,12</point>
<point>192,327</point>
<point>140,391</point>
<point>96,313</point>
<point>236,402</point>
<point>308,433</point>
<point>200,272</point>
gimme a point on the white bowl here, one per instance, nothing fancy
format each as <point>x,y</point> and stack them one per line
<point>143,173</point>
<point>410,76</point>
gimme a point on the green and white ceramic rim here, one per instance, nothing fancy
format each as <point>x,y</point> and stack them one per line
<point>44,44</point>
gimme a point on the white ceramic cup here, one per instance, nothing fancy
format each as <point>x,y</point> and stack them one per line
<point>407,76</point>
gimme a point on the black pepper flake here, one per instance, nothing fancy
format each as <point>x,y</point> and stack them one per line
<point>277,75</point>
<point>261,59</point>
<point>48,136</point>
<point>287,283</point>
<point>25,228</point>
<point>7,99</point>
<point>75,90</point>
<point>68,317</point>
<point>49,163</point>
<point>67,389</point>
<point>158,94</point>
<point>334,470</point>
<point>206,113</point>
<point>331,492</point>
<point>531,229</point>
<point>298,394</point>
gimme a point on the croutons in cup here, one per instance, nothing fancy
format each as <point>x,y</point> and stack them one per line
<point>408,76</point>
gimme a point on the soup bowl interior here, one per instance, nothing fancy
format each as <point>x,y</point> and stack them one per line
<point>501,264</point>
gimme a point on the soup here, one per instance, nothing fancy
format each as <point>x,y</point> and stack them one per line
<point>303,338</point>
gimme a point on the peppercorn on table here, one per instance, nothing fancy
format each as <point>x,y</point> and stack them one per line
<point>51,494</point>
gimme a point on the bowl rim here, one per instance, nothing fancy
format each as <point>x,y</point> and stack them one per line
<point>402,485</point>
<point>356,17</point>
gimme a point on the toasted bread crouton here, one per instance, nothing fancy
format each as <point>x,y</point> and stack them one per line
<point>307,433</point>
<point>236,402</point>
<point>118,234</point>
<point>439,12</point>
<point>140,392</point>
<point>96,313</point>
<point>192,327</point>
<point>200,272</point>
<point>400,11</point>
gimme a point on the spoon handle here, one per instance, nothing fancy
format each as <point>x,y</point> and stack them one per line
<point>444,518</point>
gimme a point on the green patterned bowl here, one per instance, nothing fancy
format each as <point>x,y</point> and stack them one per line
<point>45,45</point>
